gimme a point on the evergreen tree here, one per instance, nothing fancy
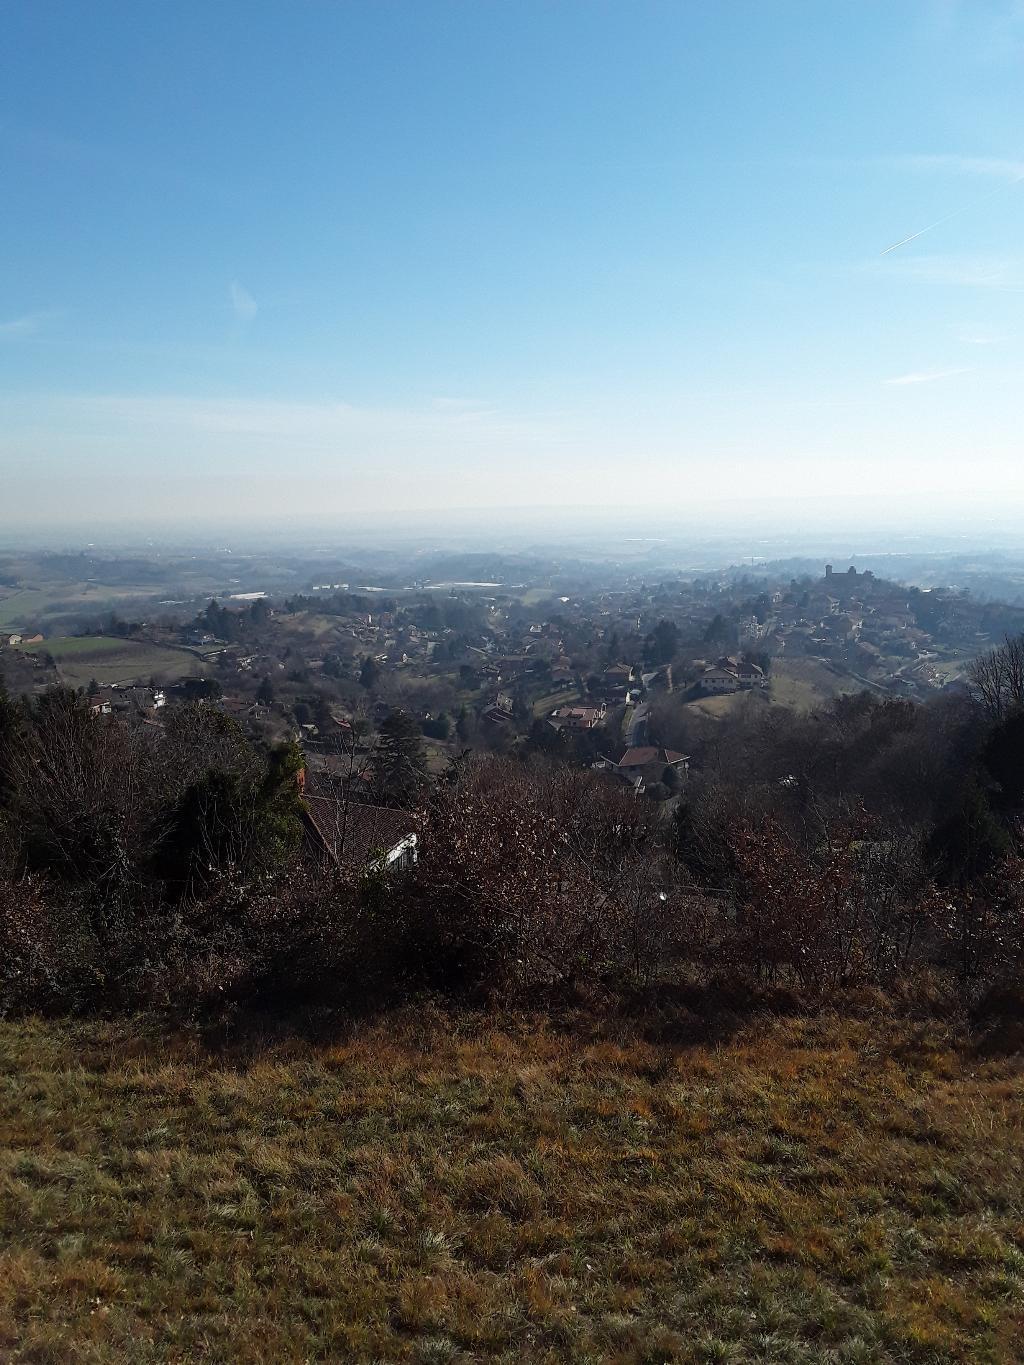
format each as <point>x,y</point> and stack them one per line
<point>661,645</point>
<point>369,673</point>
<point>400,763</point>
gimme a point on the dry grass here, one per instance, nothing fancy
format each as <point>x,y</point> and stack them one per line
<point>441,1189</point>
<point>805,684</point>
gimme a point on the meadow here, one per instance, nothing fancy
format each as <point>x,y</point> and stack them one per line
<point>109,659</point>
<point>451,1187</point>
<point>32,607</point>
<point>804,684</point>
<point>568,696</point>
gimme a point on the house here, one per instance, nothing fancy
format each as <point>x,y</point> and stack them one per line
<point>719,679</point>
<point>578,717</point>
<point>645,765</point>
<point>750,675</point>
<point>136,703</point>
<point>730,675</point>
<point>644,755</point>
<point>357,837</point>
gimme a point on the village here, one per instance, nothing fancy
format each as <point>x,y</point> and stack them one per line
<point>624,681</point>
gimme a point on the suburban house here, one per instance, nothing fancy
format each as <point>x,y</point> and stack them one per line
<point>645,765</point>
<point>730,675</point>
<point>137,703</point>
<point>500,711</point>
<point>354,836</point>
<point>578,717</point>
<point>615,680</point>
<point>719,679</point>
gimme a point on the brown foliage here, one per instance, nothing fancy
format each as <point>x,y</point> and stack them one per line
<point>536,878</point>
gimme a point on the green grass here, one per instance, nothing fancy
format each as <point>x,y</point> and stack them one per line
<point>78,646</point>
<point>20,607</point>
<point>31,607</point>
<point>545,705</point>
<point>109,659</point>
<point>435,1188</point>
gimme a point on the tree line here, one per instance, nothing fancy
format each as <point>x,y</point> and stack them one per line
<point>873,845</point>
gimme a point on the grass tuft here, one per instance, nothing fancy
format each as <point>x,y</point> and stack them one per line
<point>438,1189</point>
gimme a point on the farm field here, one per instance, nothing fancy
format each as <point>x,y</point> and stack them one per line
<point>443,1188</point>
<point>107,659</point>
<point>31,607</point>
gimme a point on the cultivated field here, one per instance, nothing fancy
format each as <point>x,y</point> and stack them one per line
<point>107,659</point>
<point>32,607</point>
<point>437,1189</point>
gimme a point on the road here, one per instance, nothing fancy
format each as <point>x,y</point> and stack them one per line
<point>636,732</point>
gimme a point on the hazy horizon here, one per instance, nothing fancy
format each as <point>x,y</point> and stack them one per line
<point>710,535</point>
<point>316,265</point>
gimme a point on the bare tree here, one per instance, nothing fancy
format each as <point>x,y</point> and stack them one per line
<point>998,677</point>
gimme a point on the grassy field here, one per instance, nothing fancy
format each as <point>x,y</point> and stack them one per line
<point>31,607</point>
<point>108,659</point>
<point>24,606</point>
<point>308,625</point>
<point>803,684</point>
<point>533,597</point>
<point>436,1189</point>
<point>725,705</point>
<point>545,705</point>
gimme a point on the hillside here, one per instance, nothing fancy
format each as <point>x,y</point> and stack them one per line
<point>443,1188</point>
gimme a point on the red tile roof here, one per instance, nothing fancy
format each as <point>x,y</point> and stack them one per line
<point>641,757</point>
<point>355,834</point>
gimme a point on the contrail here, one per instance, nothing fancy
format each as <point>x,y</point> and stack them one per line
<point>975,203</point>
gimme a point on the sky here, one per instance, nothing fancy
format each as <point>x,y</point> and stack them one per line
<point>341,261</point>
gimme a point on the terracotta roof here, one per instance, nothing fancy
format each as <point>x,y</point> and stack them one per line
<point>355,835</point>
<point>641,757</point>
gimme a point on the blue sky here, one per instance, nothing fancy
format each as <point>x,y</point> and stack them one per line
<point>288,259</point>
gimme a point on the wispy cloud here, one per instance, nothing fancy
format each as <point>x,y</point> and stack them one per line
<point>243,304</point>
<point>924,377</point>
<point>27,325</point>
<point>329,426</point>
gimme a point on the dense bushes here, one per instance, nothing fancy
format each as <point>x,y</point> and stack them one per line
<point>163,866</point>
